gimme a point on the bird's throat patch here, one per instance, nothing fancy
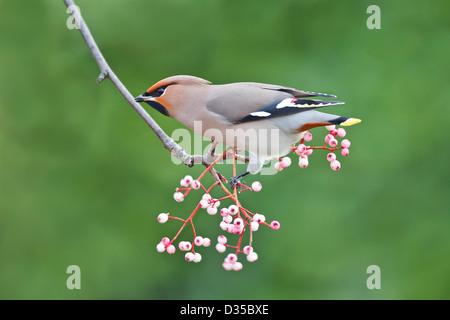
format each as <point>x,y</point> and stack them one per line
<point>159,107</point>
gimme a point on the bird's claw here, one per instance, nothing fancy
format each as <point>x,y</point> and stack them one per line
<point>233,182</point>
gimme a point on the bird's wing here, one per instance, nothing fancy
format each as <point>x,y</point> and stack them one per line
<point>292,91</point>
<point>248,101</point>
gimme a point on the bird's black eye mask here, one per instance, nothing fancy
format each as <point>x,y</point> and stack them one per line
<point>158,92</point>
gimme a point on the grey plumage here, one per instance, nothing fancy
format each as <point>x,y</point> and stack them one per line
<point>264,119</point>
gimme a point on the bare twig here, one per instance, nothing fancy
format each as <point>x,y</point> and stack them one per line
<point>106,72</point>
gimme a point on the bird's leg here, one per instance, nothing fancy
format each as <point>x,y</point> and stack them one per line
<point>254,166</point>
<point>234,180</point>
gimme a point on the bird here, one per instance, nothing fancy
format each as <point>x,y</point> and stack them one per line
<point>265,120</point>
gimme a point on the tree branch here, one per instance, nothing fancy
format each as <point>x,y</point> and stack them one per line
<point>107,72</point>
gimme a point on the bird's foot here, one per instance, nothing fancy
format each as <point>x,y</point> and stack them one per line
<point>234,181</point>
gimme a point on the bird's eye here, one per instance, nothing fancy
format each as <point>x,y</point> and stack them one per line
<point>160,91</point>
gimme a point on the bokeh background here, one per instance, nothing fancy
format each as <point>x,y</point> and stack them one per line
<point>82,178</point>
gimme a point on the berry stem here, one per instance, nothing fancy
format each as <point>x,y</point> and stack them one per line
<point>325,148</point>
<point>185,222</point>
<point>193,230</point>
<point>176,218</point>
<point>212,164</point>
<point>240,240</point>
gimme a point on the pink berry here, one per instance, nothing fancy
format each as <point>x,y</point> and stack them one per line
<point>171,249</point>
<point>224,212</point>
<point>345,152</point>
<point>227,265</point>
<point>303,162</point>
<point>238,222</point>
<point>236,229</point>
<point>260,218</point>
<point>237,266</point>
<point>195,184</point>
<point>331,157</point>
<point>178,196</point>
<point>182,245</point>
<point>160,247</point>
<point>188,179</point>
<point>333,143</point>
<point>285,162</point>
<point>254,226</point>
<point>252,256</point>
<point>222,239</point>
<point>341,132</point>
<point>307,136</point>
<point>227,219</point>
<point>275,225</point>
<point>256,186</point>
<point>308,152</point>
<point>330,127</point>
<point>301,148</point>
<point>163,217</point>
<point>221,247</point>
<point>335,165</point>
<point>204,204</point>
<point>328,137</point>
<point>206,197</point>
<point>345,143</point>
<point>198,241</point>
<point>189,256</point>
<point>165,241</point>
<point>211,210</point>
<point>232,257</point>
<point>334,132</point>
<point>223,225</point>
<point>197,257</point>
<point>277,166</point>
<point>206,242</point>
<point>233,209</point>
<point>184,183</point>
<point>247,249</point>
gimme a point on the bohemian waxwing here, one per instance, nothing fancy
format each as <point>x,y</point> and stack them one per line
<point>265,120</point>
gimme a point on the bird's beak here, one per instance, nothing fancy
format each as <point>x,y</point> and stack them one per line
<point>143,98</point>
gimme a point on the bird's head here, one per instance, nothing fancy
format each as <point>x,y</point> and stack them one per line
<point>167,94</point>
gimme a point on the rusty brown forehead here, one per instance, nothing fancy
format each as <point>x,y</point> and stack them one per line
<point>159,84</point>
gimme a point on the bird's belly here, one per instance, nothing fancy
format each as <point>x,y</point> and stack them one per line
<point>265,140</point>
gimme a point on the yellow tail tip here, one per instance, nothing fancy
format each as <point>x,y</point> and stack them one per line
<point>350,122</point>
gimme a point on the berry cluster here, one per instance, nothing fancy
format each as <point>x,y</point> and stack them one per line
<point>235,220</point>
<point>331,144</point>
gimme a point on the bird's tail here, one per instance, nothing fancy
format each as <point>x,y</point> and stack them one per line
<point>345,122</point>
<point>318,119</point>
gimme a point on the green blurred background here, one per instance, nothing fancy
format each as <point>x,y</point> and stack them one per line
<point>82,178</point>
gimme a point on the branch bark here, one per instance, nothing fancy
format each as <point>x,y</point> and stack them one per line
<point>107,72</point>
